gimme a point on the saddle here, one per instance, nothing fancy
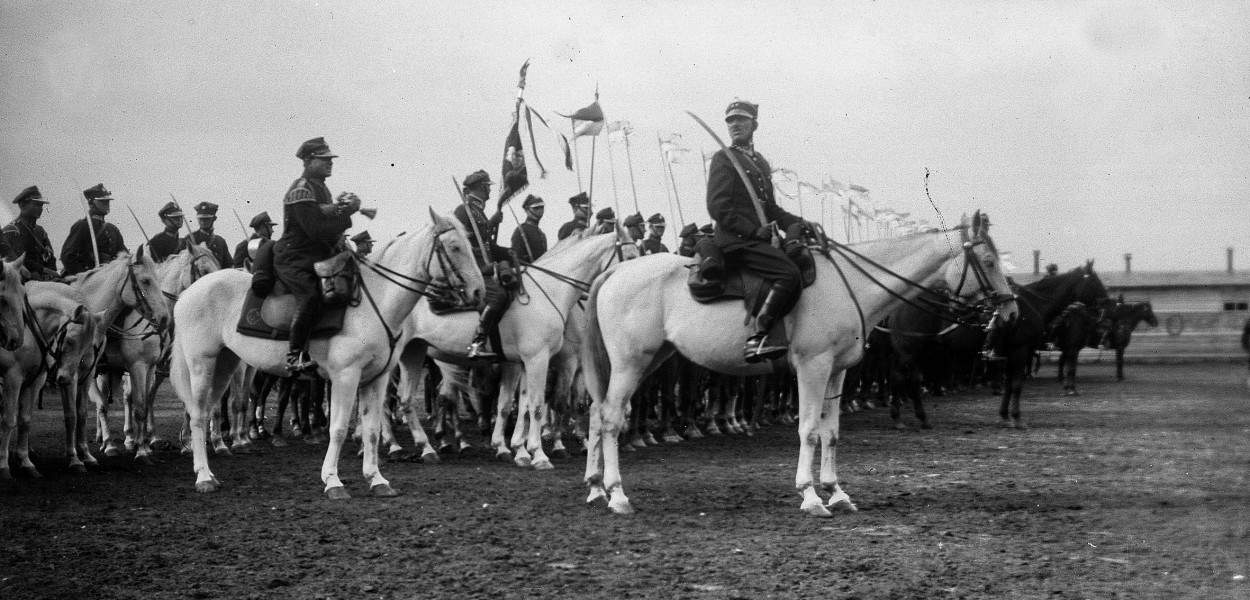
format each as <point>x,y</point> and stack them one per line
<point>269,316</point>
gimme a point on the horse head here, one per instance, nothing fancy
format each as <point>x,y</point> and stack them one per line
<point>979,275</point>
<point>142,292</point>
<point>75,339</point>
<point>450,260</point>
<point>199,262</point>
<point>12,303</point>
<point>1091,290</point>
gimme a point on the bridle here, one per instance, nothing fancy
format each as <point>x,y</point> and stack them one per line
<point>618,254</point>
<point>52,349</point>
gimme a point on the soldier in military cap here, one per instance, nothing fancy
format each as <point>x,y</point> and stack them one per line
<point>476,191</point>
<point>168,242</point>
<point>206,216</point>
<point>262,233</point>
<point>581,216</point>
<point>77,252</point>
<point>364,243</point>
<point>605,221</point>
<point>313,223</point>
<point>654,243</point>
<point>528,237</point>
<point>633,224</point>
<point>742,238</point>
<point>689,237</point>
<point>25,236</point>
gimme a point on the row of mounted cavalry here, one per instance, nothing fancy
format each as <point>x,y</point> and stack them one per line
<point>601,334</point>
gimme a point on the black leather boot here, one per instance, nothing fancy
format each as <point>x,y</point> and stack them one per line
<point>757,348</point>
<point>297,359</point>
<point>480,347</point>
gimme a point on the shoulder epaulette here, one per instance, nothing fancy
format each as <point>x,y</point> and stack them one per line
<point>299,192</point>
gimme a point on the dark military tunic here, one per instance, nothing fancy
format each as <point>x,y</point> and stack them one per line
<point>309,234</point>
<point>164,245</point>
<point>488,228</point>
<point>571,228</point>
<point>22,236</point>
<point>215,244</point>
<point>529,232</point>
<point>76,252</point>
<point>653,245</point>
<point>730,206</point>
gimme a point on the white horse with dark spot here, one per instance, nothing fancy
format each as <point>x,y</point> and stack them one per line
<point>640,312</point>
<point>208,349</point>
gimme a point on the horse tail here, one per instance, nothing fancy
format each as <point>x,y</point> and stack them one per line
<point>596,366</point>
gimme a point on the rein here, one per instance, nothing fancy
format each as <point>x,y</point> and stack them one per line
<point>582,286</point>
<point>54,349</point>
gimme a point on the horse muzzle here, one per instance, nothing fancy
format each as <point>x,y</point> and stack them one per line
<point>12,342</point>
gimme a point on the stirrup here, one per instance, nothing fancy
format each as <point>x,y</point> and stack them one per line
<point>479,349</point>
<point>758,350</point>
<point>991,355</point>
<point>300,363</point>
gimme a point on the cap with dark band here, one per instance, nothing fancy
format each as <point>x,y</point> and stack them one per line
<point>742,108</point>
<point>30,194</point>
<point>581,199</point>
<point>169,211</point>
<point>97,192</point>
<point>606,215</point>
<point>314,148</point>
<point>206,209</point>
<point>657,219</point>
<point>261,220</point>
<point>477,178</point>
<point>532,201</point>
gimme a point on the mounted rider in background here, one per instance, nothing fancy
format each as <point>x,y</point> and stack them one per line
<point>25,236</point>
<point>476,191</point>
<point>740,235</point>
<point>77,252</point>
<point>313,224</point>
<point>167,243</point>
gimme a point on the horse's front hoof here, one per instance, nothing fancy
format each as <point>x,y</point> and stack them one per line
<point>431,458</point>
<point>337,493</point>
<point>111,450</point>
<point>543,465</point>
<point>143,460</point>
<point>29,473</point>
<point>383,490</point>
<point>523,462</point>
<point>221,451</point>
<point>621,507</point>
<point>205,487</point>
<point>78,469</point>
<point>278,442</point>
<point>816,509</point>
<point>597,493</point>
<point>242,449</point>
<point>841,501</point>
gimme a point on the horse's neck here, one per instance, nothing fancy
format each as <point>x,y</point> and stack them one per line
<point>103,290</point>
<point>394,303</point>
<point>575,263</point>
<point>170,273</point>
<point>917,258</point>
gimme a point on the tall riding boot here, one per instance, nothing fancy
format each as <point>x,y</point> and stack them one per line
<point>989,351</point>
<point>297,359</point>
<point>757,348</point>
<point>480,348</point>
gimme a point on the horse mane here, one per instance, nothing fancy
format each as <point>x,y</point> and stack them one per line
<point>88,274</point>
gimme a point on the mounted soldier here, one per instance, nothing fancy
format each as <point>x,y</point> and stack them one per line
<point>689,238</point>
<point>605,221</point>
<point>167,243</point>
<point>581,216</point>
<point>25,236</point>
<point>262,232</point>
<point>206,216</point>
<point>633,224</point>
<point>313,224</point>
<point>364,243</point>
<point>528,237</point>
<point>740,235</point>
<point>78,253</point>
<point>654,244</point>
<point>472,214</point>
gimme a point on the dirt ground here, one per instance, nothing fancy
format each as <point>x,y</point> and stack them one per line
<point>1132,490</point>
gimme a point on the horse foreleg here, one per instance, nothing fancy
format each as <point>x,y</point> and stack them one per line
<point>1119,363</point>
<point>371,396</point>
<point>412,395</point>
<point>103,435</point>
<point>193,379</point>
<point>10,401</point>
<point>140,411</point>
<point>25,411</point>
<point>536,403</point>
<point>240,398</point>
<point>505,406</point>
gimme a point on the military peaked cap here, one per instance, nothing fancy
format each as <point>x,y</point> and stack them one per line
<point>477,177</point>
<point>206,209</point>
<point>532,200</point>
<point>169,210</point>
<point>606,215</point>
<point>362,237</point>
<point>261,220</point>
<point>581,199</point>
<point>707,229</point>
<point>633,220</point>
<point>657,219</point>
<point>689,230</point>
<point>97,192</point>
<point>314,148</point>
<point>30,194</point>
<point>742,108</point>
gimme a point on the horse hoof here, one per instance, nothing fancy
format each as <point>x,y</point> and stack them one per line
<point>221,451</point>
<point>560,453</point>
<point>111,451</point>
<point>596,493</point>
<point>278,442</point>
<point>503,456</point>
<point>143,459</point>
<point>382,490</point>
<point>205,487</point>
<point>638,443</point>
<point>841,501</point>
<point>337,493</point>
<point>243,449</point>
<point>543,465</point>
<point>78,469</point>
<point>447,449</point>
<point>431,458</point>
<point>621,507</point>
<point>816,509</point>
<point>522,461</point>
<point>397,456</point>
<point>672,439</point>
<point>29,473</point>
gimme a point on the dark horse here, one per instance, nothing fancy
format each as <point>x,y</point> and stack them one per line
<point>1124,317</point>
<point>1079,326</point>
<point>1018,337</point>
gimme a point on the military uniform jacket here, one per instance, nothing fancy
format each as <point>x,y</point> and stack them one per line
<point>215,244</point>
<point>729,203</point>
<point>240,258</point>
<point>653,245</point>
<point>528,232</point>
<point>308,233</point>
<point>22,236</point>
<point>76,252</point>
<point>571,228</point>
<point>488,228</point>
<point>164,245</point>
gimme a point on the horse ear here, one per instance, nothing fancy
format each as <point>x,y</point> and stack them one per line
<point>17,262</point>
<point>79,314</point>
<point>441,223</point>
<point>139,253</point>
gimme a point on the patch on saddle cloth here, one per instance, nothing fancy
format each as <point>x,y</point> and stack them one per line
<point>270,317</point>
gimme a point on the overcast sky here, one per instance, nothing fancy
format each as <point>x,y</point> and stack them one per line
<point>1085,129</point>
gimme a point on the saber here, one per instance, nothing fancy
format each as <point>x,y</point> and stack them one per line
<point>95,248</point>
<point>240,219</point>
<point>755,200</point>
<point>136,217</point>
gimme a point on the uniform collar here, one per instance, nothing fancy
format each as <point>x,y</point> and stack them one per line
<point>748,149</point>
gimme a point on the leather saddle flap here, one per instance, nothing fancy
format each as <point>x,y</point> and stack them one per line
<point>270,317</point>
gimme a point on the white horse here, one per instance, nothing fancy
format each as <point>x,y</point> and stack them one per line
<point>12,299</point>
<point>136,347</point>
<point>531,331</point>
<point>207,349</point>
<point>127,282</point>
<point>650,314</point>
<point>59,344</point>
